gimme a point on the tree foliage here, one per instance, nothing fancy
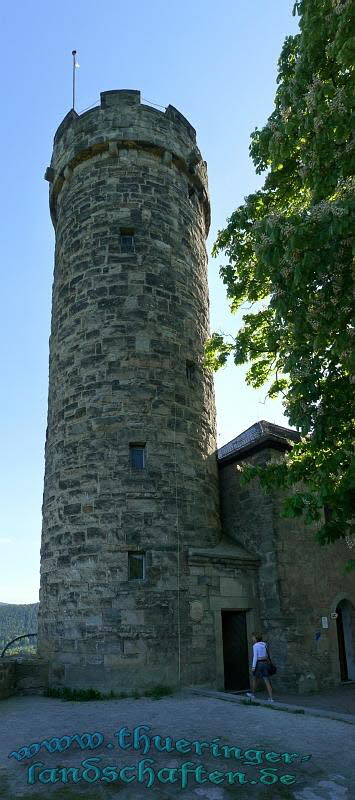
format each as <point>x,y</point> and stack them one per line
<point>290,250</point>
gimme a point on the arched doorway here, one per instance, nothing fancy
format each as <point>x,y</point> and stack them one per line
<point>346,639</point>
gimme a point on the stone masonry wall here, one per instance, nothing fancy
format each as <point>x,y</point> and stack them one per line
<point>126,348</point>
<point>31,675</point>
<point>300,582</point>
<point>248,518</point>
<point>216,584</point>
<point>313,582</point>
<point>7,679</point>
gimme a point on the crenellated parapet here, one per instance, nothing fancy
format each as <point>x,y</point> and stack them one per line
<point>122,123</point>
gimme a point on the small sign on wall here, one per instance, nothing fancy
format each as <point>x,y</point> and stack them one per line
<point>333,615</point>
<point>325,622</point>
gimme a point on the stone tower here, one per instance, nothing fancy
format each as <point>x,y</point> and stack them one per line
<point>130,463</point>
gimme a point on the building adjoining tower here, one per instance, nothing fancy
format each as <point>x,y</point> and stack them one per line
<point>131,472</point>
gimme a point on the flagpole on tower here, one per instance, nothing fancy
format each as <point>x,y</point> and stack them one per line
<point>74,67</point>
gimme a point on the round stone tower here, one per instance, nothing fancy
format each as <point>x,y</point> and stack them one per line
<point>130,465</point>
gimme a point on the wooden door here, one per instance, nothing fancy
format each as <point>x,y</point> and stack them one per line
<point>341,646</point>
<point>235,650</point>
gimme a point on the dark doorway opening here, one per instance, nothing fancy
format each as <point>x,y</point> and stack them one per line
<point>235,650</point>
<point>341,646</point>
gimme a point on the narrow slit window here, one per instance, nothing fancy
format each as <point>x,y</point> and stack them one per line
<point>127,239</point>
<point>136,566</point>
<point>190,371</point>
<point>137,456</point>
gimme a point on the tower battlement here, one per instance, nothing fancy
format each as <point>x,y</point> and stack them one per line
<point>122,122</point>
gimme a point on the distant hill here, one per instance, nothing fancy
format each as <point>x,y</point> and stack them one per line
<point>17,619</point>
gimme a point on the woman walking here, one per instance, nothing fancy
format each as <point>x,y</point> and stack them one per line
<point>260,666</point>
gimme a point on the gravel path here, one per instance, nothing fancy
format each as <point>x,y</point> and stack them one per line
<point>329,773</point>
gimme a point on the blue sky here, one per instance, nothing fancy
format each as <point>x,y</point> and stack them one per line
<point>217,63</point>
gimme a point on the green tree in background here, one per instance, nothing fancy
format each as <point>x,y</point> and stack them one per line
<point>290,251</point>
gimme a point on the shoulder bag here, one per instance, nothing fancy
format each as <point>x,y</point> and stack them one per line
<point>271,666</point>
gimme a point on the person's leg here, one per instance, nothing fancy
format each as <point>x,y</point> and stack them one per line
<point>269,687</point>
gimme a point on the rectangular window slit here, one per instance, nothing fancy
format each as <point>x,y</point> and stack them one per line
<point>127,238</point>
<point>136,566</point>
<point>137,456</point>
<point>190,371</point>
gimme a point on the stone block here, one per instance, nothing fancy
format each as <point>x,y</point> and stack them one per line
<point>196,611</point>
<point>307,683</point>
<point>7,678</point>
<point>95,620</point>
<point>230,587</point>
<point>216,602</point>
<point>94,660</point>
<point>112,660</point>
<point>132,617</point>
<point>49,175</point>
<point>70,658</point>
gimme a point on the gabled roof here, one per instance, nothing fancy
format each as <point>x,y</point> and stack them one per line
<point>261,433</point>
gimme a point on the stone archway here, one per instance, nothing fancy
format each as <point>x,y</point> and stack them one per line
<point>346,639</point>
